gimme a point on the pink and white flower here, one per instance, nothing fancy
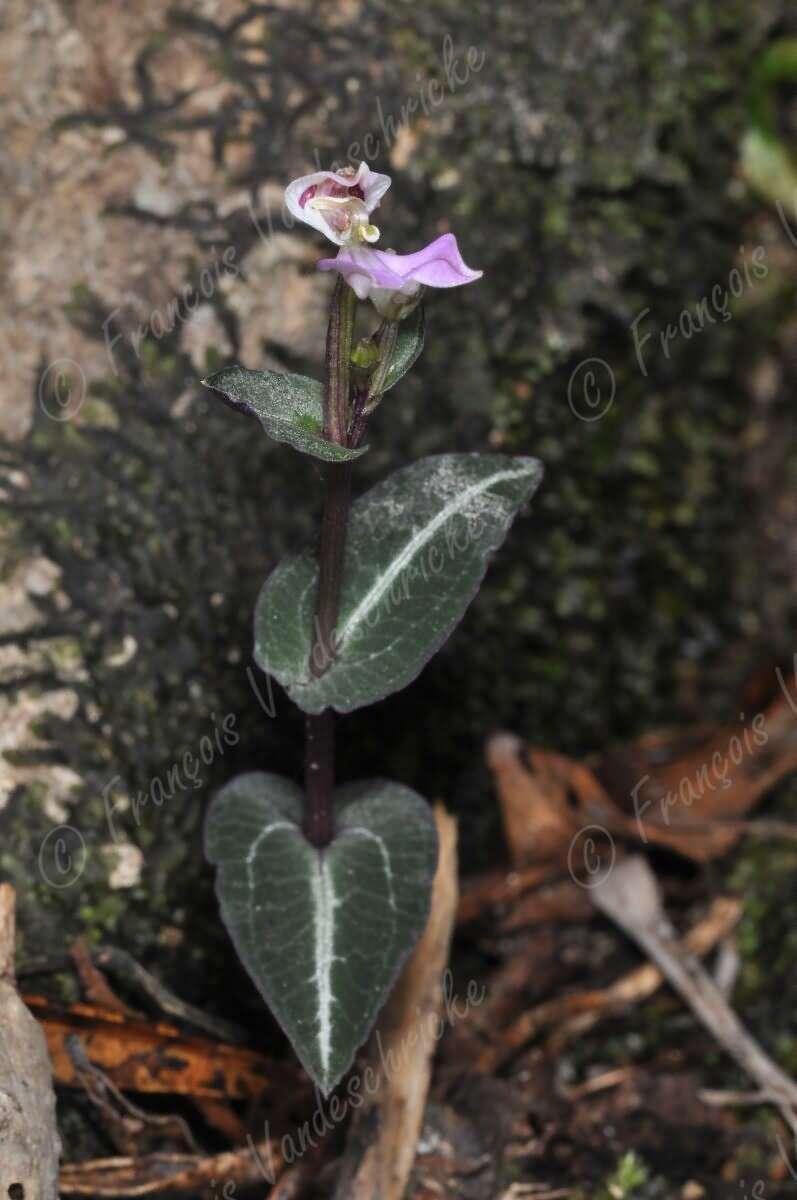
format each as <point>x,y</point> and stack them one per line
<point>339,203</point>
<point>394,282</point>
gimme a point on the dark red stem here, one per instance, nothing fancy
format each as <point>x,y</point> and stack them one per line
<point>319,817</point>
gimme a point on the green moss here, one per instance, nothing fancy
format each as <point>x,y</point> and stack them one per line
<point>99,413</point>
<point>765,874</point>
<point>64,653</point>
<point>100,922</point>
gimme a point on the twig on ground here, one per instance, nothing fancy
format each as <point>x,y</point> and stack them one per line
<point>95,985</point>
<point>125,967</point>
<point>534,1191</point>
<point>598,1083</point>
<point>562,901</point>
<point>495,888</point>
<point>221,1117</point>
<point>718,1099</point>
<point>126,1123</point>
<point>630,896</point>
<point>384,1134</point>
<point>162,1174</point>
<point>727,966</point>
<point>293,1183</point>
<point>579,1011</point>
<point>533,967</point>
<point>122,965</point>
<point>644,981</point>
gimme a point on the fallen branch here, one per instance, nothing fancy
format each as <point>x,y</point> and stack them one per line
<point>630,896</point>
<point>579,1011</point>
<point>643,982</point>
<point>384,1134</point>
<point>162,1174</point>
<point>123,966</point>
<point>29,1143</point>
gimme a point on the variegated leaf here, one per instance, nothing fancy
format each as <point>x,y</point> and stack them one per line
<point>323,933</point>
<point>417,549</point>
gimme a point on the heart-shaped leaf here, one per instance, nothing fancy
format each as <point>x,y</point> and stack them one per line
<point>416,551</point>
<point>289,407</point>
<point>323,933</point>
<point>409,344</point>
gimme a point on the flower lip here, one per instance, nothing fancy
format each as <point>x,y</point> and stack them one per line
<point>439,264</point>
<point>335,190</point>
<point>338,203</point>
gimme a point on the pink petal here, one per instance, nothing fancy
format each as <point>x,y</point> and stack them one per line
<point>439,264</point>
<point>362,269</point>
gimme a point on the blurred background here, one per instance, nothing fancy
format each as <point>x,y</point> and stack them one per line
<point>624,174</point>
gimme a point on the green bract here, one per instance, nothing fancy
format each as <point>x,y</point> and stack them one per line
<point>409,344</point>
<point>289,407</point>
<point>416,551</point>
<point>323,933</point>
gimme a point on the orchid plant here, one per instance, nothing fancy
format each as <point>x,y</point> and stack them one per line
<point>324,890</point>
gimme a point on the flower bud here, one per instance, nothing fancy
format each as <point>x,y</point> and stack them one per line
<point>365,355</point>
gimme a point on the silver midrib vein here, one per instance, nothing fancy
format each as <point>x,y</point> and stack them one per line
<point>324,905</point>
<point>382,585</point>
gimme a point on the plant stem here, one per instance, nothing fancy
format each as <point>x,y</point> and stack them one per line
<point>338,362</point>
<point>319,821</point>
<point>320,729</point>
<point>330,564</point>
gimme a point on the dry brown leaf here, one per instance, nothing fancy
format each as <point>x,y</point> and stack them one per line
<point>143,1057</point>
<point>538,820</point>
<point>692,803</point>
<point>688,794</point>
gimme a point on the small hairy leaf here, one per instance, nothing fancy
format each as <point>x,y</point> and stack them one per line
<point>409,344</point>
<point>416,552</point>
<point>323,933</point>
<point>289,407</point>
